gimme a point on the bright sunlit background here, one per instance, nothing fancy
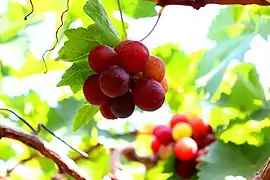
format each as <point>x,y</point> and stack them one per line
<point>184,26</point>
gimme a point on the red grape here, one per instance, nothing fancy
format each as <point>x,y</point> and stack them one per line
<point>208,139</point>
<point>185,149</point>
<point>148,94</point>
<point>114,81</point>
<point>177,118</point>
<point>199,127</point>
<point>122,106</point>
<point>121,44</point>
<point>155,68</point>
<point>102,57</point>
<point>186,169</point>
<point>155,145</point>
<point>92,91</point>
<point>133,55</point>
<point>155,130</point>
<point>164,135</point>
<point>199,141</point>
<point>106,112</point>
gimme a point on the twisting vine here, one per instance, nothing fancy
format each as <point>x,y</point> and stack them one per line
<point>56,36</point>
<point>42,126</point>
<point>31,12</point>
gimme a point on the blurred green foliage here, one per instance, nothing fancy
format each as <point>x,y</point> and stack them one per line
<point>214,83</point>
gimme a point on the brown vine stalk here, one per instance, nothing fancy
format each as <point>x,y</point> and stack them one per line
<point>197,4</point>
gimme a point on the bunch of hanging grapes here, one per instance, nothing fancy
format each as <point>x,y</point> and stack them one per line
<point>186,138</point>
<point>126,76</point>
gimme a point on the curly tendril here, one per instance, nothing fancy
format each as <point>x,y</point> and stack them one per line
<point>56,36</point>
<point>31,12</point>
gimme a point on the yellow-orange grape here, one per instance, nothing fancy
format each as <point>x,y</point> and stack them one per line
<point>165,151</point>
<point>181,130</point>
<point>164,84</point>
<point>155,68</point>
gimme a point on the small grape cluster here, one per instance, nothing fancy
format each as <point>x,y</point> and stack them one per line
<point>187,138</point>
<point>126,76</point>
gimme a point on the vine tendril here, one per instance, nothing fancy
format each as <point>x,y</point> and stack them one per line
<point>159,16</point>
<point>56,37</point>
<point>31,12</point>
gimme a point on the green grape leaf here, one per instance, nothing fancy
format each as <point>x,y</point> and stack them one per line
<point>215,62</point>
<point>169,166</point>
<point>226,20</point>
<point>76,75</point>
<point>47,165</point>
<point>84,115</point>
<point>221,162</point>
<point>263,24</point>
<point>63,114</point>
<point>6,150</point>
<point>174,176</point>
<point>31,105</point>
<point>133,8</point>
<point>245,90</point>
<point>81,40</point>
<point>261,113</point>
<point>80,43</point>
<point>109,134</point>
<point>103,27</point>
<point>264,134</point>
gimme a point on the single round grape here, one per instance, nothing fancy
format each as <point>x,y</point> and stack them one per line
<point>148,94</point>
<point>155,145</point>
<point>156,129</point>
<point>133,55</point>
<point>114,81</point>
<point>92,91</point>
<point>164,84</point>
<point>106,112</point>
<point>164,135</point>
<point>186,169</point>
<point>185,149</point>
<point>181,130</point>
<point>177,118</point>
<point>199,127</point>
<point>121,44</point>
<point>101,57</point>
<point>155,68</point>
<point>123,106</point>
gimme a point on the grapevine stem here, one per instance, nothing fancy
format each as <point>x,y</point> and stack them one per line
<point>159,15</point>
<point>122,19</point>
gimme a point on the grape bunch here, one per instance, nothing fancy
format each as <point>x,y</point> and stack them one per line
<point>187,138</point>
<point>126,76</point>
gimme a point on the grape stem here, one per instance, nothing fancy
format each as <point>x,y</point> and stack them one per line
<point>122,19</point>
<point>155,25</point>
